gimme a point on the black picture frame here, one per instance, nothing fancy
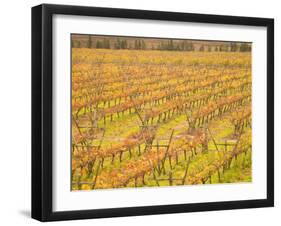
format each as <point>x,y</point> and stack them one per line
<point>42,111</point>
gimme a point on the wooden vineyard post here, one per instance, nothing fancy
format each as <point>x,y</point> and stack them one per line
<point>185,172</point>
<point>213,139</point>
<point>96,177</point>
<point>167,150</point>
<point>170,178</point>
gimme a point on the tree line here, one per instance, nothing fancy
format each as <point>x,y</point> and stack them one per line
<point>140,44</point>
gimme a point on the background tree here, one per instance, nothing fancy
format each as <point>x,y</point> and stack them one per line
<point>89,42</point>
<point>245,47</point>
<point>190,47</point>
<point>99,44</point>
<point>233,47</point>
<point>137,44</point>
<point>143,45</point>
<point>106,43</point>
<point>223,48</point>
<point>117,44</point>
<point>123,44</point>
<point>170,45</point>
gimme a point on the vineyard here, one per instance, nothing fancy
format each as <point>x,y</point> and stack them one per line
<point>160,118</point>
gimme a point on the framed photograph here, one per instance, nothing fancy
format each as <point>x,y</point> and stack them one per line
<point>145,112</point>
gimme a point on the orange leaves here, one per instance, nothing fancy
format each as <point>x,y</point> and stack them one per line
<point>132,169</point>
<point>241,114</point>
<point>158,88</point>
